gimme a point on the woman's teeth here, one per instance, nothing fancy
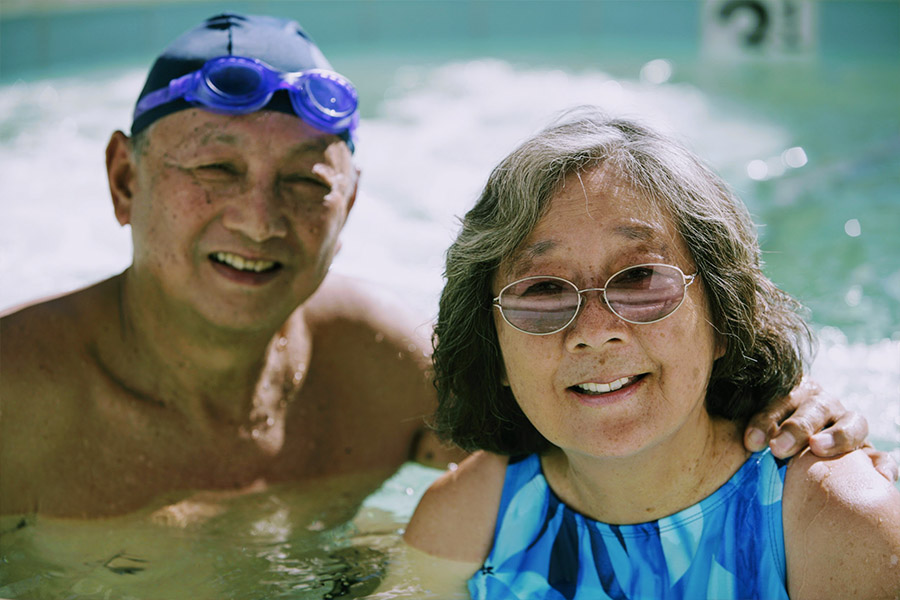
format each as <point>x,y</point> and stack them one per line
<point>243,264</point>
<point>604,388</point>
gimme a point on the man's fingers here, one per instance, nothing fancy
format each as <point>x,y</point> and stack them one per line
<point>884,463</point>
<point>848,433</point>
<point>788,424</point>
<point>834,429</point>
<point>764,425</point>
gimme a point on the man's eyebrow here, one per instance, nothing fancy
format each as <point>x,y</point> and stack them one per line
<point>316,145</point>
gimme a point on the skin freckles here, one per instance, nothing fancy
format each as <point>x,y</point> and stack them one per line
<point>225,187</point>
<point>594,228</point>
<point>582,239</point>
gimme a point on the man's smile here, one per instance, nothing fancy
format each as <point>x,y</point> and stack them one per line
<point>244,264</point>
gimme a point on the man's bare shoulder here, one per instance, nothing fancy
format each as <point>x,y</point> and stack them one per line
<point>342,299</point>
<point>44,353</point>
<point>46,337</point>
<point>366,322</point>
<point>370,359</point>
<point>850,515</point>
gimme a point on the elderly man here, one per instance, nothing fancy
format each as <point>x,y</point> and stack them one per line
<point>225,355</point>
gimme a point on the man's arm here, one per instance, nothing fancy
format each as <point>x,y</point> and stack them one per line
<point>811,417</point>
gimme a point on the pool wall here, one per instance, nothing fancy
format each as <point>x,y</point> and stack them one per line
<point>50,37</point>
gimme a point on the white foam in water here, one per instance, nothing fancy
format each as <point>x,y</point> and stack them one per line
<point>424,156</point>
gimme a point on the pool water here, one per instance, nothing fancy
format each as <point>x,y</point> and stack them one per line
<point>810,144</point>
<point>313,540</point>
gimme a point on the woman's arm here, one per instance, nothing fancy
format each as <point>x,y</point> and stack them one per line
<point>841,529</point>
<point>457,515</point>
<point>452,529</point>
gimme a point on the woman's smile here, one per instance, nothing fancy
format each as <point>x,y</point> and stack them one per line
<point>629,385</point>
<point>601,394</point>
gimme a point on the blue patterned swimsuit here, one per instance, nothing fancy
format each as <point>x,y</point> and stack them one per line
<point>728,546</point>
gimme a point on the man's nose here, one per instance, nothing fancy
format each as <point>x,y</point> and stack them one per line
<point>256,212</point>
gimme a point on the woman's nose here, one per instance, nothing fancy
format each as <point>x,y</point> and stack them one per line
<point>595,324</point>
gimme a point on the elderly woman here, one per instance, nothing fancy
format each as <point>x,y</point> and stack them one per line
<point>604,334</point>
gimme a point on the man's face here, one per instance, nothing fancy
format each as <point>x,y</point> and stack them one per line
<point>237,218</point>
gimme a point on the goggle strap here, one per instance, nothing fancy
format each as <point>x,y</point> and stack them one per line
<point>177,87</point>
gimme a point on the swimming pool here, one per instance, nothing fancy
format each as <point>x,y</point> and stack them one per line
<point>809,138</point>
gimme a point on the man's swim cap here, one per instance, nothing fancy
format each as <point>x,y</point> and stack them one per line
<point>280,43</point>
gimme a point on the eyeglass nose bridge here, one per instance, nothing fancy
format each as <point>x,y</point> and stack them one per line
<point>582,302</point>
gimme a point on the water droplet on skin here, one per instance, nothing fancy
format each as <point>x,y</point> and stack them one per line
<point>282,343</point>
<point>379,337</point>
<point>270,421</point>
<point>255,434</point>
<point>412,348</point>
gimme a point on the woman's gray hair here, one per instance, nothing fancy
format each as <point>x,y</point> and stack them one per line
<point>758,323</point>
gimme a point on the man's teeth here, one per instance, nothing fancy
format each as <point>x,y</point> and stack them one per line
<point>603,388</point>
<point>243,264</point>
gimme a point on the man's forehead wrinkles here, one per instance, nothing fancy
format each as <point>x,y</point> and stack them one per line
<point>211,134</point>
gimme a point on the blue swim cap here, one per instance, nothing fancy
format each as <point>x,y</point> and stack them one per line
<point>280,43</point>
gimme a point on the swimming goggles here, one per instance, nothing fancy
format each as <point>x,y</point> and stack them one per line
<point>640,294</point>
<point>236,85</point>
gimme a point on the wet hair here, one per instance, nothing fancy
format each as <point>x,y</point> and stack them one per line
<point>764,335</point>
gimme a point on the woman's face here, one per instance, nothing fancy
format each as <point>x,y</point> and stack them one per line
<point>590,232</point>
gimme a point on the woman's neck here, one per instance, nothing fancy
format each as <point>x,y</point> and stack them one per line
<point>653,483</point>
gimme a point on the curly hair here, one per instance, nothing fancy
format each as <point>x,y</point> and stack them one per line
<point>764,336</point>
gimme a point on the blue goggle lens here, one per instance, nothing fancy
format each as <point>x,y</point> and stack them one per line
<point>329,96</point>
<point>235,84</point>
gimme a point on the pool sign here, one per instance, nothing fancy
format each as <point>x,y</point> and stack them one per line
<point>765,28</point>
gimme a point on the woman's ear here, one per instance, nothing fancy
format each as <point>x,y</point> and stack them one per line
<point>721,346</point>
<point>121,172</point>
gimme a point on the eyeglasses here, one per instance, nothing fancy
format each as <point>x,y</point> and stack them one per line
<point>236,85</point>
<point>640,294</point>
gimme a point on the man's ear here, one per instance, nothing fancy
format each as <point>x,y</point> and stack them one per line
<point>352,198</point>
<point>122,173</point>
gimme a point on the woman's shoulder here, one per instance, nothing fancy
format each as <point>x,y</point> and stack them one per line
<point>457,515</point>
<point>841,528</point>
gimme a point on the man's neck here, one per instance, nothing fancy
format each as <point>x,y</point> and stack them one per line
<point>170,356</point>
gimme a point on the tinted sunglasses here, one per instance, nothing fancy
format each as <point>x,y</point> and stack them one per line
<point>641,294</point>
